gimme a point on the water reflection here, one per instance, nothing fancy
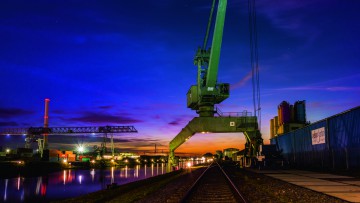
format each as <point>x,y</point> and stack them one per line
<point>5,192</point>
<point>112,175</point>
<point>80,179</point>
<point>18,183</point>
<point>38,185</point>
<point>152,169</point>
<point>92,173</point>
<point>70,183</point>
<point>189,163</point>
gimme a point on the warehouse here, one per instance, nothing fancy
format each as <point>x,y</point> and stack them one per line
<point>332,143</point>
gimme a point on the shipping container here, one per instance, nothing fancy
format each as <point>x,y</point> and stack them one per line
<point>71,159</point>
<point>85,159</point>
<point>333,142</point>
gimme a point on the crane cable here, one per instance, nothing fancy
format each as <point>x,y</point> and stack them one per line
<point>209,25</point>
<point>254,60</point>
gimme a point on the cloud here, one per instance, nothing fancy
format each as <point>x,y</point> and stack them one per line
<point>121,143</point>
<point>175,123</point>
<point>339,84</point>
<point>322,88</point>
<point>58,111</point>
<point>242,82</point>
<point>146,140</point>
<point>293,17</point>
<point>10,123</point>
<point>103,118</point>
<point>180,120</point>
<point>286,16</point>
<point>13,112</point>
<point>106,107</point>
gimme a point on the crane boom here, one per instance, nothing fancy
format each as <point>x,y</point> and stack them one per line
<point>212,72</point>
<point>203,96</point>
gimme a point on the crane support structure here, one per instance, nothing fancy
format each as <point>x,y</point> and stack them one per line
<point>34,134</point>
<point>68,130</point>
<point>203,96</point>
<point>245,124</point>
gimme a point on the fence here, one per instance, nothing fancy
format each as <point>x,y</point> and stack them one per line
<point>333,142</point>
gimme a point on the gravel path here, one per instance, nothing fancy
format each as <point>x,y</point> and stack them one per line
<point>175,190</point>
<point>255,187</point>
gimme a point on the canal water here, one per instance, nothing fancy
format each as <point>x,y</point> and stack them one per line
<point>72,183</point>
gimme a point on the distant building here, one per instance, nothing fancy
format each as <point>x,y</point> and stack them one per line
<point>128,155</point>
<point>229,152</point>
<point>219,154</point>
<point>58,155</point>
<point>289,118</point>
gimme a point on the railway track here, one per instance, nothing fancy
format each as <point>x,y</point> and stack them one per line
<point>213,185</point>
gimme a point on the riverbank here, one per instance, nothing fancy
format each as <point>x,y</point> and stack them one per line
<point>129,192</point>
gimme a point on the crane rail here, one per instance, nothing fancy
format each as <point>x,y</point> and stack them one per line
<point>67,130</point>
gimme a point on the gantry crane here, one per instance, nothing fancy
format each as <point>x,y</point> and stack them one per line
<point>35,134</point>
<point>203,96</point>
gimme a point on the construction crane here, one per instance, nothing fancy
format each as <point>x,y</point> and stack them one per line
<point>203,96</point>
<point>35,134</point>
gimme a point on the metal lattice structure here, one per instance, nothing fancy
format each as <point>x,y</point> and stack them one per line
<point>34,134</point>
<point>68,130</point>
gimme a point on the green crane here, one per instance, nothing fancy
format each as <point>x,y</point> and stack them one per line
<point>203,96</point>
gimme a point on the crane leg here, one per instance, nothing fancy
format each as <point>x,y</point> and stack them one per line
<point>246,124</point>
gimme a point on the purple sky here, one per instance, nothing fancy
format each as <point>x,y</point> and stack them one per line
<point>131,63</point>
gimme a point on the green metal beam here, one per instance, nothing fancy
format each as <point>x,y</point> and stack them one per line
<point>244,124</point>
<point>212,71</point>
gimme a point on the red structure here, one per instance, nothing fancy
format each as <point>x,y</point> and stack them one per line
<point>46,122</point>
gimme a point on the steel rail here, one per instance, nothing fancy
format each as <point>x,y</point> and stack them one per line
<point>232,186</point>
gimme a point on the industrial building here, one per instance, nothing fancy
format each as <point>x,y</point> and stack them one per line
<point>331,143</point>
<point>289,118</point>
<point>228,153</point>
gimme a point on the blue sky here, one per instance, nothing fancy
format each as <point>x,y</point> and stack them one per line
<point>131,63</point>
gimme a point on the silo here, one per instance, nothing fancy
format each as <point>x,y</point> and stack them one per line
<point>300,111</point>
<point>276,125</point>
<point>292,114</point>
<point>272,127</point>
<point>279,115</point>
<point>285,114</point>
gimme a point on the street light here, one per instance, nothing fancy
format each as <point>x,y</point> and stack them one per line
<point>80,149</point>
